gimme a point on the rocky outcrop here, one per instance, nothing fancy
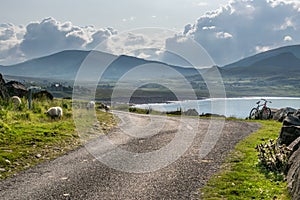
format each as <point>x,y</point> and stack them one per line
<point>16,88</point>
<point>293,175</point>
<point>290,129</point>
<point>281,114</point>
<point>191,112</point>
<point>3,90</point>
<point>42,95</point>
<point>290,136</point>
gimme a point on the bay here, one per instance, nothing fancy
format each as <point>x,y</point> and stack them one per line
<point>230,107</point>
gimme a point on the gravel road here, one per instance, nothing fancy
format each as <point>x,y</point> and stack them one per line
<point>79,175</point>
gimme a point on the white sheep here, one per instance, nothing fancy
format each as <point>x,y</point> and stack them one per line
<point>90,105</point>
<point>16,100</point>
<point>54,112</point>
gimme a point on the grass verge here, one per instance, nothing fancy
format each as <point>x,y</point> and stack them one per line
<point>29,137</point>
<point>241,177</point>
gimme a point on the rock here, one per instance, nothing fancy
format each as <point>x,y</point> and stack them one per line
<point>211,115</point>
<point>290,129</point>
<point>3,90</point>
<point>291,121</point>
<point>293,176</point>
<point>42,95</point>
<point>16,88</point>
<point>38,156</point>
<point>7,161</point>
<point>294,145</point>
<point>282,113</point>
<point>288,134</point>
<point>191,112</point>
<point>2,170</point>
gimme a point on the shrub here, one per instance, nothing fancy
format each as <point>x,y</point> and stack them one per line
<point>273,157</point>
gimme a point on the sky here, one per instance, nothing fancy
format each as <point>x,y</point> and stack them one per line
<point>228,30</point>
<point>119,14</point>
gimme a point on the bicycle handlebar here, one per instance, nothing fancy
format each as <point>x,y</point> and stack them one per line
<point>265,100</point>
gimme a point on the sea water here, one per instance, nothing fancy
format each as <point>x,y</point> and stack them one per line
<point>230,107</point>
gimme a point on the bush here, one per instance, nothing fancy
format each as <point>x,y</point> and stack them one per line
<point>273,157</point>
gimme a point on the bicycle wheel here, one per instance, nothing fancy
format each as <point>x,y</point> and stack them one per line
<point>253,113</point>
<point>266,113</point>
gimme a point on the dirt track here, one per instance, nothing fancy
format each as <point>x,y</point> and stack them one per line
<point>79,175</point>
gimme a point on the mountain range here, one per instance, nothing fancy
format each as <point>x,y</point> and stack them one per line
<point>283,61</point>
<point>65,65</point>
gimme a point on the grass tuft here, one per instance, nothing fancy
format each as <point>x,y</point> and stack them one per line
<point>241,176</point>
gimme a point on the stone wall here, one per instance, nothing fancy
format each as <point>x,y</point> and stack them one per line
<point>290,136</point>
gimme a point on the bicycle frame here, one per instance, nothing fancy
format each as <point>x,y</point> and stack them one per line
<point>264,112</point>
<point>264,105</point>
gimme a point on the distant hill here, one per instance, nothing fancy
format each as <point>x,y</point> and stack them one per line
<point>65,65</point>
<point>284,61</point>
<point>295,49</point>
<point>62,65</point>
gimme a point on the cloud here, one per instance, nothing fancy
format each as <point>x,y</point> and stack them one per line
<point>288,38</point>
<point>19,43</point>
<point>50,35</point>
<point>223,35</point>
<point>245,27</point>
<point>260,49</point>
<point>142,43</point>
<point>10,38</point>
<point>202,4</point>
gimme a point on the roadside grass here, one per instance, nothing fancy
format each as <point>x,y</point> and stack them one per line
<point>241,176</point>
<point>28,137</point>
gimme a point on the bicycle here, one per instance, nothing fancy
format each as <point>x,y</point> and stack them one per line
<point>263,113</point>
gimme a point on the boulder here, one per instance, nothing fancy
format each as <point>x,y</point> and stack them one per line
<point>3,90</point>
<point>191,112</point>
<point>288,134</point>
<point>211,115</point>
<point>290,129</point>
<point>16,88</point>
<point>42,95</point>
<point>293,175</point>
<point>280,114</point>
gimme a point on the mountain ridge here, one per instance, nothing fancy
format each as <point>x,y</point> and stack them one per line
<point>295,49</point>
<point>65,65</point>
<point>283,61</point>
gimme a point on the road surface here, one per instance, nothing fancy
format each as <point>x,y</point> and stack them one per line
<point>80,175</point>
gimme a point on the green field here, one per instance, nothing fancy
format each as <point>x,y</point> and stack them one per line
<point>28,137</point>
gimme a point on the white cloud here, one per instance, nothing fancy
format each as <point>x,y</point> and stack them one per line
<point>142,43</point>
<point>50,36</point>
<point>287,38</point>
<point>202,4</point>
<point>208,27</point>
<point>260,49</point>
<point>223,35</point>
<point>10,38</point>
<point>244,27</point>
<point>18,43</point>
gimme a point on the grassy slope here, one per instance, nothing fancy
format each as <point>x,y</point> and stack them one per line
<point>28,137</point>
<point>242,178</point>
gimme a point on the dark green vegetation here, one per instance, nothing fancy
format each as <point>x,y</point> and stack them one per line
<point>28,137</point>
<point>241,176</point>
